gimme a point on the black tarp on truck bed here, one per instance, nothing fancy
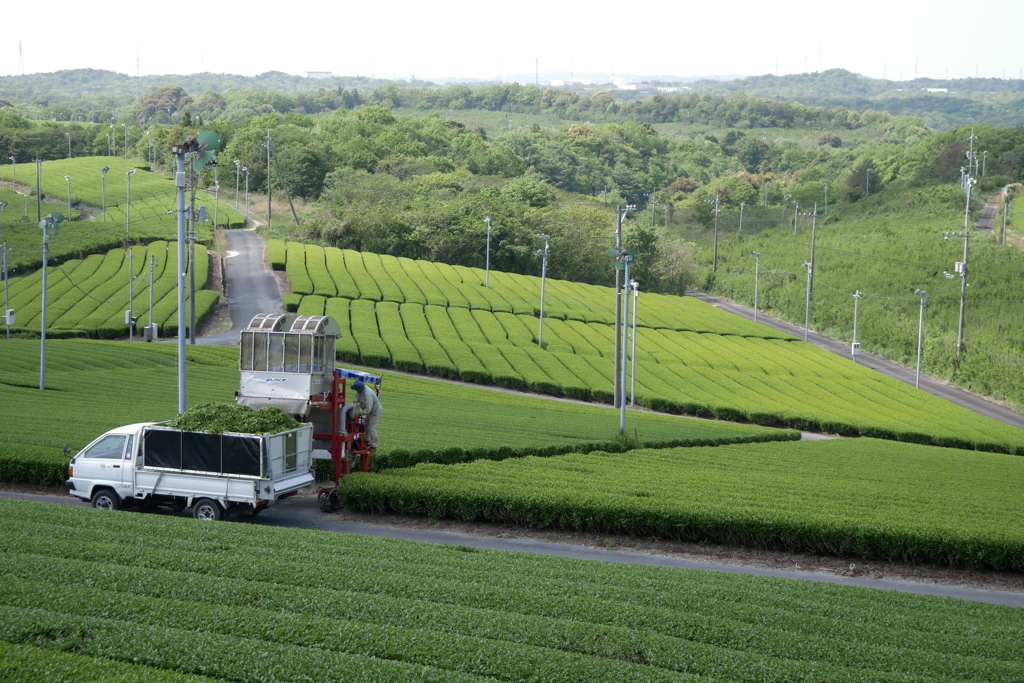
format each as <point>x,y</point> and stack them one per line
<point>198,451</point>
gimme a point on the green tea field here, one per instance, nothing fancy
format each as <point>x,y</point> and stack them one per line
<point>88,297</point>
<point>87,230</point>
<point>107,384</point>
<point>691,358</point>
<point>851,497</point>
<point>251,603</point>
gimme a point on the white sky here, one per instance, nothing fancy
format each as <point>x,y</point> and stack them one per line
<point>484,39</point>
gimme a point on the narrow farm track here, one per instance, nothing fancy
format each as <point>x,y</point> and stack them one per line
<point>303,513</point>
<point>960,397</point>
<point>249,286</point>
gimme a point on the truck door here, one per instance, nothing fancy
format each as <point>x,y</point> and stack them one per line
<point>103,464</point>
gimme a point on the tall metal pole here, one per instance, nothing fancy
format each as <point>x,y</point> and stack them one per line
<point>814,232</point>
<point>192,251</point>
<point>796,213</point>
<point>807,301</point>
<point>69,144</point>
<point>42,326</point>
<point>152,266</point>
<point>920,336</point>
<point>632,382</point>
<point>125,125</point>
<point>68,178</point>
<point>826,198</point>
<point>1006,210</point>
<point>618,309</point>
<point>961,269</point>
<point>103,190</point>
<point>39,192</point>
<point>856,307</point>
<point>14,171</point>
<point>216,195</point>
<point>625,343</point>
<point>714,260</point>
<point>269,141</point>
<point>246,169</point>
<point>179,182</point>
<point>867,183</point>
<point>543,253</point>
<point>128,208</point>
<point>968,182</point>
<point>757,273</point>
<point>7,293</point>
<point>487,262</point>
<point>238,168</point>
<point>131,292</point>
<point>742,204</point>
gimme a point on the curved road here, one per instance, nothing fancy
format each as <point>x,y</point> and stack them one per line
<point>249,286</point>
<point>303,513</point>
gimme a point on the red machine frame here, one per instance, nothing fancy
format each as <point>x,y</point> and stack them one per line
<point>353,434</point>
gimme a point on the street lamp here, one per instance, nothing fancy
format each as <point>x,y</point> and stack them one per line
<point>867,183</point>
<point>103,190</point>
<point>920,334</point>
<point>807,300</point>
<point>111,140</point>
<point>543,253</point>
<point>757,273</point>
<point>108,144</point>
<point>825,185</point>
<point>487,268</point>
<point>128,207</point>
<point>632,389</point>
<point>68,136</point>
<point>237,168</point>
<point>68,178</point>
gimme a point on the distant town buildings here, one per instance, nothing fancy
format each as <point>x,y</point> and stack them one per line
<point>319,74</point>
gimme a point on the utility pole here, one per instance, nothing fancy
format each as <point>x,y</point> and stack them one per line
<point>487,262</point>
<point>714,261</point>
<point>742,204</point>
<point>920,336</point>
<point>757,273</point>
<point>268,180</point>
<point>969,182</point>
<point>814,232</point>
<point>1006,210</point>
<point>867,183</point>
<point>796,213</point>
<point>620,214</point>
<point>543,254</point>
<point>854,346</point>
<point>807,301</point>
<point>960,269</point>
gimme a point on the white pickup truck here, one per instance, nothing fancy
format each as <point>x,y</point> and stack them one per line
<point>150,464</point>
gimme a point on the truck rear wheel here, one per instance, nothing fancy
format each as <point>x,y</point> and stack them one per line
<point>207,509</point>
<point>106,499</point>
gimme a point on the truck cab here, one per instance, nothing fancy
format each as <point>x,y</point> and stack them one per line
<point>103,471</point>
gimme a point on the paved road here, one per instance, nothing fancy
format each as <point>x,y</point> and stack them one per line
<point>249,287</point>
<point>303,513</point>
<point>956,395</point>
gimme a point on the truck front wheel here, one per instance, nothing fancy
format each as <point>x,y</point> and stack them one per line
<point>207,509</point>
<point>106,499</point>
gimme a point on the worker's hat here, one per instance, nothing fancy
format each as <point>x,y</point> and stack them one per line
<point>358,385</point>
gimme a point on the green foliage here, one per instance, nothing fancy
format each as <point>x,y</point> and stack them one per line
<point>90,376</point>
<point>440,613</point>
<point>858,498</point>
<point>217,418</point>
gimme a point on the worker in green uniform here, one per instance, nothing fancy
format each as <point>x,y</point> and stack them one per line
<point>369,406</point>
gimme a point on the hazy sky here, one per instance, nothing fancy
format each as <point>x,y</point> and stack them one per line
<point>488,39</point>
